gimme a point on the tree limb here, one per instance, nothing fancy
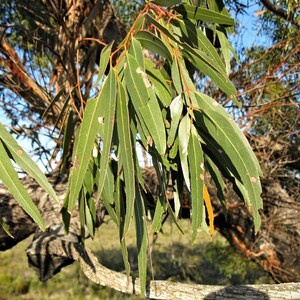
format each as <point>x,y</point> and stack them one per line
<point>279,12</point>
<point>161,289</point>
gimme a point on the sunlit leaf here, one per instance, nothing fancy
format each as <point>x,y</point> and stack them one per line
<point>10,178</point>
<point>137,83</point>
<point>209,208</point>
<point>96,110</point>
<point>176,111</point>
<point>160,83</point>
<point>203,14</point>
<point>136,51</point>
<point>153,119</point>
<point>25,162</point>
<point>196,167</point>
<point>126,150</point>
<point>153,43</point>
<point>142,238</point>
<point>104,60</point>
<point>184,135</point>
<point>166,3</point>
<point>234,150</point>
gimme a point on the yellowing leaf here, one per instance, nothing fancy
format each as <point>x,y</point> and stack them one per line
<point>209,209</point>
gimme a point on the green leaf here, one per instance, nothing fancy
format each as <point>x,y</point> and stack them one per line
<point>166,3</point>
<point>136,51</point>
<point>176,77</point>
<point>226,50</point>
<point>182,81</point>
<point>176,111</point>
<point>153,119</point>
<point>219,182</point>
<point>142,238</point>
<point>197,39</point>
<point>137,83</point>
<point>10,178</point>
<point>161,28</point>
<point>161,204</point>
<point>202,63</point>
<point>52,103</point>
<point>104,59</point>
<point>196,165</point>
<point>5,228</point>
<point>234,150</point>
<point>96,110</point>
<point>68,133</point>
<point>107,127</point>
<point>25,162</point>
<point>126,150</point>
<point>90,225</point>
<point>184,136</point>
<point>159,82</point>
<point>203,14</point>
<point>153,43</point>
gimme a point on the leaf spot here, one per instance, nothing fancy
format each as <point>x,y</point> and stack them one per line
<point>101,120</point>
<point>202,177</point>
<point>202,166</point>
<point>252,179</point>
<point>20,151</point>
<point>215,103</point>
<point>145,78</point>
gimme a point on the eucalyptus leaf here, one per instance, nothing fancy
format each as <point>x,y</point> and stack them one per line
<point>25,162</point>
<point>96,110</point>
<point>203,14</point>
<point>10,178</point>
<point>153,43</point>
<point>196,167</point>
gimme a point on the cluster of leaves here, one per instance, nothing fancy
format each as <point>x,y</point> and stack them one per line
<point>149,96</point>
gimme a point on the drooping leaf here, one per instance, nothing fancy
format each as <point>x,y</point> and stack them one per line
<point>25,162</point>
<point>219,182</point>
<point>196,168</point>
<point>67,139</point>
<point>176,111</point>
<point>159,82</point>
<point>10,178</point>
<point>203,14</point>
<point>141,237</point>
<point>153,43</point>
<point>152,117</point>
<point>107,126</point>
<point>136,51</point>
<point>104,60</point>
<point>234,150</point>
<point>88,209</point>
<point>227,49</point>
<point>53,102</point>
<point>166,3</point>
<point>126,149</point>
<point>96,110</point>
<point>5,227</point>
<point>137,83</point>
<point>209,208</point>
<point>203,64</point>
<point>184,136</point>
<point>198,40</point>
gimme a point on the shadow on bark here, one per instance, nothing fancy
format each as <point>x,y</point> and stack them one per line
<point>237,292</point>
